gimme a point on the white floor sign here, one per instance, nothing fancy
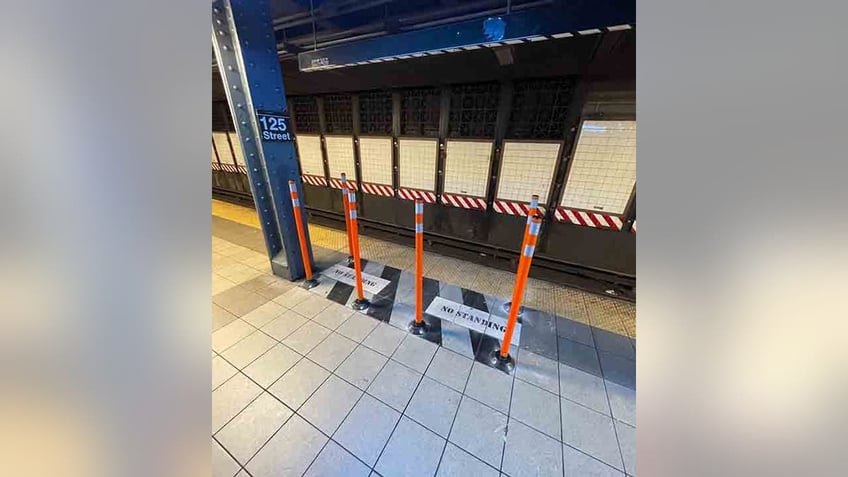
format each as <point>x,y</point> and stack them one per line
<point>370,283</point>
<point>471,318</point>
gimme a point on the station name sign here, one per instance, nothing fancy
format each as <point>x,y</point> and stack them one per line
<point>274,126</point>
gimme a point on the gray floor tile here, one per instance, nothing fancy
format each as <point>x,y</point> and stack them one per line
<point>458,463</point>
<point>580,464</point>
<point>529,453</point>
<point>230,398</point>
<point>333,316</point>
<point>284,325</point>
<point>230,335</point>
<point>415,352</point>
<point>331,352</point>
<point>622,401</point>
<point>239,301</point>
<point>263,314</point>
<point>270,366</point>
<point>394,385</point>
<point>222,464</point>
<point>221,371</point>
<point>434,405</point>
<point>306,337</point>
<point>311,306</point>
<point>575,331</point>
<point>221,317</point>
<point>329,405</point>
<point>627,442</point>
<point>584,388</point>
<point>295,387</point>
<point>591,432</point>
<point>619,370</point>
<point>614,343</point>
<point>457,339</point>
<point>490,386</point>
<point>536,407</point>
<point>293,297</point>
<point>538,333</point>
<point>361,367</point>
<point>251,347</point>
<point>579,356</point>
<point>334,461</point>
<point>412,451</point>
<point>479,430</point>
<point>450,369</point>
<point>290,450</point>
<point>357,327</point>
<point>538,370</point>
<point>252,427</point>
<point>384,339</point>
<point>367,428</point>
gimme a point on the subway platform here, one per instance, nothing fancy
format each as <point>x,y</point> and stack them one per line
<point>305,385</point>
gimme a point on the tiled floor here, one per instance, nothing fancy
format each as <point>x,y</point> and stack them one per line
<point>304,386</point>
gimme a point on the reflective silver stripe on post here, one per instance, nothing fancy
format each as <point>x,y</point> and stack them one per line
<point>352,214</point>
<point>351,197</point>
<point>528,250</point>
<point>534,228</point>
<point>419,228</point>
<point>296,202</point>
<point>533,205</point>
<point>292,187</point>
<point>419,208</point>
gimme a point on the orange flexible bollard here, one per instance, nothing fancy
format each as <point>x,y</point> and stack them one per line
<point>301,237</point>
<point>345,191</point>
<point>418,327</point>
<point>503,359</point>
<point>531,212</point>
<point>360,303</point>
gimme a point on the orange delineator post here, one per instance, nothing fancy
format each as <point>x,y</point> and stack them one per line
<point>360,303</point>
<point>532,211</point>
<point>301,235</point>
<point>418,326</point>
<point>345,191</point>
<point>520,283</point>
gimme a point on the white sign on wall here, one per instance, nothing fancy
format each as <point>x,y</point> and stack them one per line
<point>309,153</point>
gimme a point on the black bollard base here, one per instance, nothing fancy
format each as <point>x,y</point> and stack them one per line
<point>418,329</point>
<point>310,284</point>
<point>361,305</point>
<point>505,364</point>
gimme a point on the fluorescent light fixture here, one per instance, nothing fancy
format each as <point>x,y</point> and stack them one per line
<point>619,27</point>
<point>590,31</point>
<point>437,52</point>
<point>537,38</point>
<point>514,42</point>
<point>452,50</point>
<point>492,45</point>
<point>418,55</point>
<point>562,35</point>
<point>472,47</point>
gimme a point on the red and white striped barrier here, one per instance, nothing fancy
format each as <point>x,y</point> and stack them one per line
<point>464,201</point>
<point>412,194</point>
<point>513,208</point>
<point>633,227</point>
<point>588,219</point>
<point>337,184</point>
<point>378,189</point>
<point>242,169</point>
<point>314,180</point>
<point>216,166</point>
<point>229,168</point>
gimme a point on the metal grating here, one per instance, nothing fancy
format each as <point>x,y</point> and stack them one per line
<point>419,112</point>
<point>375,113</point>
<point>539,109</point>
<point>338,114</point>
<point>305,114</point>
<point>473,110</point>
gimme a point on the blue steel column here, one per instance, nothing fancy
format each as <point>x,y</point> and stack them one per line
<point>246,53</point>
